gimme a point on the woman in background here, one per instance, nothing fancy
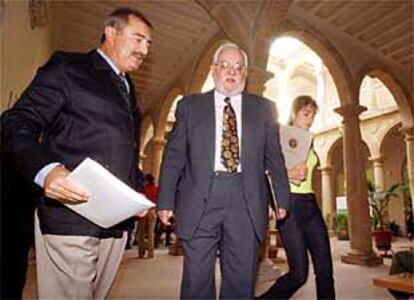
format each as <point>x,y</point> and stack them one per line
<point>305,230</point>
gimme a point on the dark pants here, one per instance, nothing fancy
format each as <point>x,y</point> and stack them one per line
<point>225,229</point>
<point>18,199</point>
<point>304,231</point>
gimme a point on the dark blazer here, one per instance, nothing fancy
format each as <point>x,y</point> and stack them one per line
<point>188,162</point>
<point>73,109</point>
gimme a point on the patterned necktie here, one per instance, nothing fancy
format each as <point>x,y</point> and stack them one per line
<point>230,157</point>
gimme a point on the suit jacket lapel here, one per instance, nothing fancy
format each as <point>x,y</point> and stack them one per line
<point>108,78</point>
<point>248,115</point>
<point>209,113</point>
<point>132,100</point>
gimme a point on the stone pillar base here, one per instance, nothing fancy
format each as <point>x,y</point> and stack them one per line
<point>363,260</point>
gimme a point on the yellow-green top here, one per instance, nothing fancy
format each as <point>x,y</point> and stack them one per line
<point>305,186</point>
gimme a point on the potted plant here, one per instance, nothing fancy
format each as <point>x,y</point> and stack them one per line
<point>341,226</point>
<point>408,208</point>
<point>378,202</point>
<point>394,228</point>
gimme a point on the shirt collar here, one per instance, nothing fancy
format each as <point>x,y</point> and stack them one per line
<point>109,61</point>
<point>220,96</point>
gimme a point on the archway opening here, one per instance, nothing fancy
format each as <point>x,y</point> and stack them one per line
<point>298,70</point>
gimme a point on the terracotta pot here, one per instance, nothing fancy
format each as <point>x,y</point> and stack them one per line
<point>382,239</point>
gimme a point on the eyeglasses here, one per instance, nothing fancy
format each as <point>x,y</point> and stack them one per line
<point>224,65</point>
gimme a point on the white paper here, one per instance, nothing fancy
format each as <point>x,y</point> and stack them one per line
<point>295,144</point>
<point>111,201</point>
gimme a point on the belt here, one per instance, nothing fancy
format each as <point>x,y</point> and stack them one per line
<point>225,174</point>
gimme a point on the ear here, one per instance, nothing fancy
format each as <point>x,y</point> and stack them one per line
<point>110,33</point>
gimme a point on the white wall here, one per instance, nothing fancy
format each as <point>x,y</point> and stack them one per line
<point>22,50</point>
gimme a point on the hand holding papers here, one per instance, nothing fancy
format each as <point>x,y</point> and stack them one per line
<point>111,200</point>
<point>295,144</point>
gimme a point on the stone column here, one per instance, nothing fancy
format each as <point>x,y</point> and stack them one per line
<point>141,159</point>
<point>409,144</point>
<point>378,163</point>
<point>360,252</point>
<point>157,151</point>
<point>328,207</point>
<point>256,80</point>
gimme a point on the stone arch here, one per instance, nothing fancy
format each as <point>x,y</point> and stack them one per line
<point>393,153</point>
<point>324,147</point>
<point>162,116</point>
<point>147,153</point>
<point>403,169</point>
<point>335,150</point>
<point>400,94</point>
<point>146,125</point>
<point>331,149</point>
<point>386,132</point>
<point>374,133</point>
<point>390,169</point>
<point>330,57</point>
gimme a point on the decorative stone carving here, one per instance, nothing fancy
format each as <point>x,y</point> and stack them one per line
<point>38,13</point>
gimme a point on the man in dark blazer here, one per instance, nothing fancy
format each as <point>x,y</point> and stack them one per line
<point>213,180</point>
<point>78,106</point>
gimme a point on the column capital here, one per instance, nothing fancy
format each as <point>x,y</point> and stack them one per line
<point>408,133</point>
<point>326,169</point>
<point>379,159</point>
<point>350,110</point>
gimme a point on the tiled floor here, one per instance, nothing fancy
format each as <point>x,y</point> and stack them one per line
<point>159,278</point>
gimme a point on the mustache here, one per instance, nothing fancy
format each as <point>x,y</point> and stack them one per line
<point>140,55</point>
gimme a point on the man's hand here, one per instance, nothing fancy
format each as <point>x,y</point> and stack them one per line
<point>57,186</point>
<point>165,216</point>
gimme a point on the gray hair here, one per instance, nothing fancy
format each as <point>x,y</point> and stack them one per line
<point>229,45</point>
<point>119,18</point>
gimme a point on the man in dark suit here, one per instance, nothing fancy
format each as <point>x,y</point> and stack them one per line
<point>213,180</point>
<point>78,106</point>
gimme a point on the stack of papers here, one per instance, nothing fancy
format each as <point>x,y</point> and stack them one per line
<point>111,200</point>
